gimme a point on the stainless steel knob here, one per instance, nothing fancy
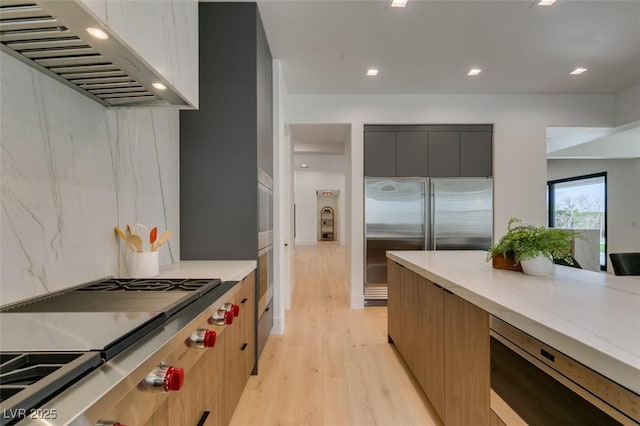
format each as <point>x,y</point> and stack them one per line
<point>203,338</point>
<point>164,378</point>
<point>222,317</point>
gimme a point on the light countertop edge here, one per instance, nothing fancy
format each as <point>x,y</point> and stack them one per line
<point>226,270</point>
<point>592,317</point>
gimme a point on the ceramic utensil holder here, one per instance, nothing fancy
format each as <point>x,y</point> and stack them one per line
<point>142,265</point>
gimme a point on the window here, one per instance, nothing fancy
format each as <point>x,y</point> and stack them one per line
<point>580,203</point>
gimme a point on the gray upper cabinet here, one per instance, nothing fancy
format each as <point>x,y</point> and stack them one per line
<point>411,154</point>
<point>380,154</point>
<point>444,154</point>
<point>475,154</point>
<point>428,150</point>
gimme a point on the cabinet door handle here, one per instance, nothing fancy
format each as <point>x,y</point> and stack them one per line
<point>547,355</point>
<point>266,309</point>
<point>244,300</point>
<point>244,346</point>
<point>203,419</point>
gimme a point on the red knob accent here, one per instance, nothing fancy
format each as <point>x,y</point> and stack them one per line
<point>235,309</point>
<point>228,317</point>
<point>173,379</point>
<point>209,339</point>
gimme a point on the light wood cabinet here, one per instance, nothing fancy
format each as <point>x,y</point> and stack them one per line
<point>240,346</point>
<point>466,366</point>
<point>204,393</point>
<point>445,342</point>
<point>430,335</point>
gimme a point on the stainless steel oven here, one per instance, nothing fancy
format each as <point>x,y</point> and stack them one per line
<point>265,259</point>
<point>265,216</point>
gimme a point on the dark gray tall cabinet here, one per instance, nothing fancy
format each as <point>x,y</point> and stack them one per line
<point>223,143</point>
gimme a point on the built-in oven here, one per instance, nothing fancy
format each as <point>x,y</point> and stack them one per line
<point>265,259</point>
<point>535,384</point>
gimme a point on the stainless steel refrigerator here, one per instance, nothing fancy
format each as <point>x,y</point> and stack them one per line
<point>422,214</point>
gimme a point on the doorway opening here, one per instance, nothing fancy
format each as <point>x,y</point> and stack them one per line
<point>327,214</point>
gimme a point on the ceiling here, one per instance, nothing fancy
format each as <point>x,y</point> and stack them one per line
<point>428,47</point>
<point>320,146</point>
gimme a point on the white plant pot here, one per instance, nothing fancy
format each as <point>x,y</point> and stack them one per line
<point>538,266</point>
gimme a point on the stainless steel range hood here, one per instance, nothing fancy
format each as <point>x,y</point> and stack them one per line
<point>51,36</point>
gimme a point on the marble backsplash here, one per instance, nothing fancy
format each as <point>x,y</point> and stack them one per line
<point>71,170</point>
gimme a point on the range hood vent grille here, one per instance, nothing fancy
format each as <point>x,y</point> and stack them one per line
<point>35,33</point>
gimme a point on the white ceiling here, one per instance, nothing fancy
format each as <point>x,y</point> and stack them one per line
<point>327,46</point>
<point>320,146</point>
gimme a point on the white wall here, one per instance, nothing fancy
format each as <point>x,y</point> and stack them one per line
<point>306,185</point>
<point>519,144</point>
<point>71,171</point>
<point>628,106</point>
<point>623,202</point>
<point>283,204</point>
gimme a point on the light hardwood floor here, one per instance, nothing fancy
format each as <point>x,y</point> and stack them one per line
<point>333,365</point>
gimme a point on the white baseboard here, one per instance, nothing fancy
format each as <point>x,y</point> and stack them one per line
<point>357,301</point>
<point>307,243</point>
<point>278,326</point>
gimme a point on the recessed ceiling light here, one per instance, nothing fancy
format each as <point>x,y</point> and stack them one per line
<point>159,86</point>
<point>398,3</point>
<point>372,72</point>
<point>578,71</point>
<point>97,33</point>
<point>546,2</point>
<point>474,71</point>
<point>304,166</point>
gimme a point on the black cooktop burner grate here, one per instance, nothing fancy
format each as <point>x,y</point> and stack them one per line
<point>147,284</point>
<point>28,379</point>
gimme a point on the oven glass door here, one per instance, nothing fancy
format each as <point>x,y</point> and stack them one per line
<point>265,217</point>
<point>265,278</point>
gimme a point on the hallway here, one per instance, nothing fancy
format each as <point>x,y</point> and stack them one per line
<point>333,366</point>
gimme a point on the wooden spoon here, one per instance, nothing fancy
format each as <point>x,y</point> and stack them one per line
<point>163,239</point>
<point>124,238</point>
<point>136,242</point>
<point>121,234</point>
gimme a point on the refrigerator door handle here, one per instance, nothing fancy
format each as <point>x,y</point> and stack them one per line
<point>432,215</point>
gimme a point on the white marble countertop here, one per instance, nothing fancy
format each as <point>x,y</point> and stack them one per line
<point>590,316</point>
<point>226,270</point>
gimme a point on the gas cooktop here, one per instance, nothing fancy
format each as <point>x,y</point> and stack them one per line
<point>148,284</point>
<point>27,379</point>
<point>51,341</point>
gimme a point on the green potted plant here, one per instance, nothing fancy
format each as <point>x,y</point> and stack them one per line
<point>534,247</point>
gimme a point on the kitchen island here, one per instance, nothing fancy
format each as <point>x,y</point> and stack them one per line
<point>590,317</point>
